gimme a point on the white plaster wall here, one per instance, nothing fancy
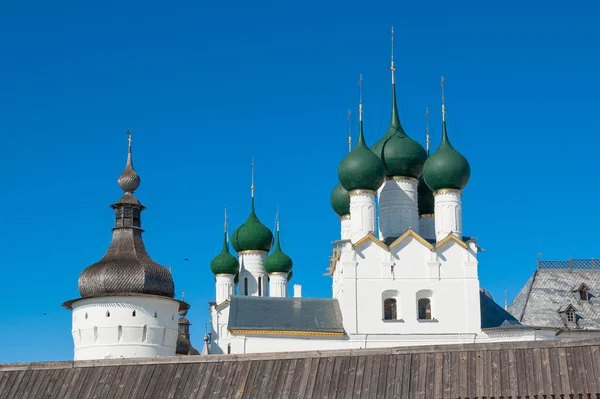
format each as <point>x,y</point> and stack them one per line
<point>106,327</point>
<point>346,226</point>
<point>252,266</point>
<point>448,213</point>
<point>278,285</point>
<point>362,214</point>
<point>398,206</point>
<point>225,287</point>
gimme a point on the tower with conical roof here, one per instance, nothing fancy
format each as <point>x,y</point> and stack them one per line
<point>127,306</point>
<point>446,173</point>
<point>426,201</point>
<point>403,159</point>
<point>279,267</point>
<point>252,241</point>
<point>225,267</point>
<point>361,173</point>
<point>339,199</point>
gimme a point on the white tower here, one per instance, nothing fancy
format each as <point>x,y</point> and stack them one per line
<point>279,267</point>
<point>403,159</point>
<point>127,306</point>
<point>225,267</point>
<point>252,241</point>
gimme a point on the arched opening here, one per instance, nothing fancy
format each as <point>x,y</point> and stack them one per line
<point>228,349</point>
<point>424,309</point>
<point>108,313</point>
<point>260,286</point>
<point>120,333</point>
<point>245,285</point>
<point>144,333</point>
<point>155,314</point>
<point>389,309</point>
<point>86,315</point>
<point>133,313</point>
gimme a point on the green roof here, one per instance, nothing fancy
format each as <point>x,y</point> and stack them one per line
<point>340,201</point>
<point>225,263</point>
<point>278,262</point>
<point>252,235</point>
<point>446,167</point>
<point>361,169</point>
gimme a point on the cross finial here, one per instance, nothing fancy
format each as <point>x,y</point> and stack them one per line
<point>427,129</point>
<point>225,225</point>
<point>392,66</point>
<point>182,294</point>
<point>277,220</point>
<point>252,185</point>
<point>349,132</point>
<point>360,109</point>
<point>443,101</point>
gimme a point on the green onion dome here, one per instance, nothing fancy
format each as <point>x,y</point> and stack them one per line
<point>278,262</point>
<point>252,235</point>
<point>340,201</point>
<point>446,167</point>
<point>225,263</point>
<point>361,169</point>
<point>401,155</point>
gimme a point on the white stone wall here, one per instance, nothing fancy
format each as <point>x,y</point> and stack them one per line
<point>278,285</point>
<point>225,287</point>
<point>252,268</point>
<point>362,214</point>
<point>346,226</point>
<point>124,327</point>
<point>398,210</point>
<point>448,213</point>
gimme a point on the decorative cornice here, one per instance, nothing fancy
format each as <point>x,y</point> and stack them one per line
<point>426,215</point>
<point>288,332</point>
<point>370,237</point>
<point>278,274</point>
<point>362,192</point>
<point>252,252</point>
<point>451,237</point>
<point>225,275</point>
<point>222,304</point>
<point>411,233</point>
<point>443,191</point>
<point>402,179</point>
<point>345,217</point>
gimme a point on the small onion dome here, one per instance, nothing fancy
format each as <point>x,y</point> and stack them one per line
<point>361,169</point>
<point>252,235</point>
<point>278,262</point>
<point>401,155</point>
<point>225,263</point>
<point>340,201</point>
<point>446,167</point>
<point>426,201</point>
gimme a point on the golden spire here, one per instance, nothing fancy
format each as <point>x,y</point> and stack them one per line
<point>392,66</point>
<point>252,185</point>
<point>349,132</point>
<point>443,104</point>
<point>427,129</point>
<point>360,110</point>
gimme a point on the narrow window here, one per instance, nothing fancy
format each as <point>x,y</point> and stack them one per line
<point>108,313</point>
<point>95,334</point>
<point>120,333</point>
<point>86,316</point>
<point>144,333</point>
<point>155,315</point>
<point>260,286</point>
<point>127,212</point>
<point>389,309</point>
<point>228,349</point>
<point>133,313</point>
<point>570,316</point>
<point>583,294</point>
<point>424,309</point>
<point>245,285</point>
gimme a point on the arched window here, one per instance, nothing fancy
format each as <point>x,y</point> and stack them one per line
<point>133,313</point>
<point>424,309</point>
<point>108,313</point>
<point>260,286</point>
<point>86,315</point>
<point>245,285</point>
<point>228,349</point>
<point>155,314</point>
<point>389,309</point>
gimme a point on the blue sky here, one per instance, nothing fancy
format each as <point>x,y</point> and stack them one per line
<point>206,87</point>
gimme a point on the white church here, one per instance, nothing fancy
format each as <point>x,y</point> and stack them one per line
<point>402,272</point>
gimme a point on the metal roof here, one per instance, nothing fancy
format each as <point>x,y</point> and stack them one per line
<point>492,370</point>
<point>493,315</point>
<point>285,314</point>
<point>552,288</point>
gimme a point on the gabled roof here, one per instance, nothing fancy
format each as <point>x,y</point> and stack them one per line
<point>492,314</point>
<point>251,315</point>
<point>410,233</point>
<point>370,238</point>
<point>551,289</point>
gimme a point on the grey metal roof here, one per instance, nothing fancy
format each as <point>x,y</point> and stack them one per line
<point>494,370</point>
<point>493,316</point>
<point>550,290</point>
<point>285,314</point>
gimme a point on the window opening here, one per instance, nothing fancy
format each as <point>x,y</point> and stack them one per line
<point>583,294</point>
<point>108,313</point>
<point>424,309</point>
<point>133,313</point>
<point>245,285</point>
<point>260,286</point>
<point>389,309</point>
<point>228,349</point>
<point>570,316</point>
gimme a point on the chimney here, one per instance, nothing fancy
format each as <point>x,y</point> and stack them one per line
<point>297,291</point>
